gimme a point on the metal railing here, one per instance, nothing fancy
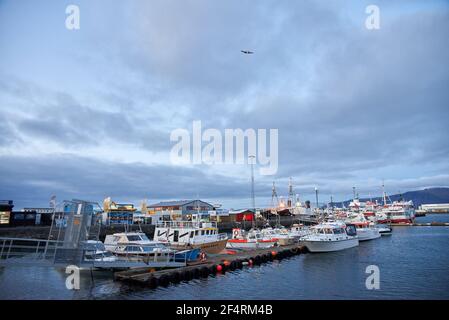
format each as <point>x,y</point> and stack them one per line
<point>28,248</point>
<point>15,251</point>
<point>187,224</point>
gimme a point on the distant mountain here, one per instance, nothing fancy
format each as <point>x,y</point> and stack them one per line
<point>419,197</point>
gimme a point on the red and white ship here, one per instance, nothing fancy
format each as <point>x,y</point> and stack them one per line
<point>398,212</point>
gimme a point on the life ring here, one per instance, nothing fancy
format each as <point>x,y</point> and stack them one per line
<point>236,233</point>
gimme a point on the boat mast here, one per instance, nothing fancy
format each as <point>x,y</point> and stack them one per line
<point>253,199</point>
<point>384,194</point>
<point>274,195</point>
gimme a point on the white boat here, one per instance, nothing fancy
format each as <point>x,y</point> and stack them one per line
<point>96,251</point>
<point>190,235</point>
<point>366,232</point>
<point>134,244</point>
<point>253,239</point>
<point>297,231</point>
<point>280,235</point>
<point>384,230</point>
<point>331,236</point>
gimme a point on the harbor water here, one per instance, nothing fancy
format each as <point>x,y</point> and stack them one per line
<point>413,264</point>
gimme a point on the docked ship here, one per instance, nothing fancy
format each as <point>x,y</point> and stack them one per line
<point>331,236</point>
<point>280,234</point>
<point>366,232</point>
<point>398,212</point>
<point>253,239</point>
<point>134,244</point>
<point>183,235</point>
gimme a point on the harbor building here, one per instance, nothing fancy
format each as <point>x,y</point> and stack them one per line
<point>10,218</point>
<point>435,208</point>
<point>236,216</point>
<point>5,212</point>
<point>117,213</point>
<point>180,209</point>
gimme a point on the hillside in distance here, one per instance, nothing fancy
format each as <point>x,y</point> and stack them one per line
<point>419,197</point>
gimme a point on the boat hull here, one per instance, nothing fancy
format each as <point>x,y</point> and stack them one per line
<point>330,246</point>
<point>398,222</point>
<point>243,244</point>
<point>368,234</point>
<point>207,247</point>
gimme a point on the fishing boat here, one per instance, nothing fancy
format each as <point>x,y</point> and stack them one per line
<point>134,244</point>
<point>366,232</point>
<point>253,239</point>
<point>384,230</point>
<point>398,213</point>
<point>298,230</point>
<point>181,235</point>
<point>280,235</point>
<point>331,236</point>
<point>96,251</point>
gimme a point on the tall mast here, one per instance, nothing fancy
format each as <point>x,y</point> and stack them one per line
<point>274,195</point>
<point>253,199</point>
<point>291,196</point>
<point>384,193</point>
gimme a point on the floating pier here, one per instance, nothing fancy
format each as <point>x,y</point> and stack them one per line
<point>432,224</point>
<point>214,264</point>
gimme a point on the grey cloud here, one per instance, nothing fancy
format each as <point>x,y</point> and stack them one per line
<point>34,180</point>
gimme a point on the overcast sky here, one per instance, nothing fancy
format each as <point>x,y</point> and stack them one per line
<point>88,113</point>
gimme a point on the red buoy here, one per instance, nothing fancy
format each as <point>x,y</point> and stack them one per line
<point>219,268</point>
<point>273,253</point>
<point>250,262</point>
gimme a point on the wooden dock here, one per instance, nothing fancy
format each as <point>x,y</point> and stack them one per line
<point>213,265</point>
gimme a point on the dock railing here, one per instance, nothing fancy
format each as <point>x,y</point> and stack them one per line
<point>187,224</point>
<point>32,249</point>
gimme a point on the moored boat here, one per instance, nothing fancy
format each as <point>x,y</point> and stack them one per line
<point>365,232</point>
<point>183,235</point>
<point>331,236</point>
<point>253,239</point>
<point>134,244</point>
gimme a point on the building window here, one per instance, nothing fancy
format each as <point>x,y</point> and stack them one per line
<point>4,217</point>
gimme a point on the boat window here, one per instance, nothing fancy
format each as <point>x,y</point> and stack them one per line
<point>133,249</point>
<point>191,234</point>
<point>202,232</point>
<point>134,238</point>
<point>196,232</point>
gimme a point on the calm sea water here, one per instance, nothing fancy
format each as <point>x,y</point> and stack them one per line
<point>413,263</point>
